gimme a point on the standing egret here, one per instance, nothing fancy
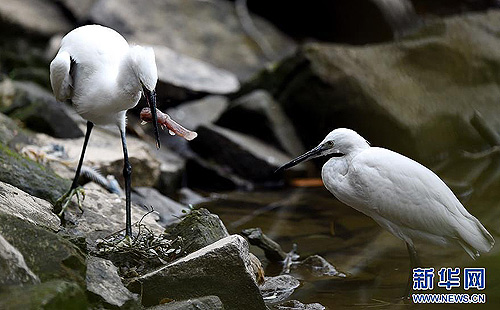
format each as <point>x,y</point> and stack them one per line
<point>401,195</point>
<point>103,77</point>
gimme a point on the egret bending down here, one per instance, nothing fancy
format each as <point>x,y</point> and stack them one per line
<point>103,77</point>
<point>401,195</point>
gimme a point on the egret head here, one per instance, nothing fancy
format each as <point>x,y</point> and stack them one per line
<point>337,143</point>
<point>144,66</point>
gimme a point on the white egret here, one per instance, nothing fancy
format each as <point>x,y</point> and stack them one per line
<point>401,195</point>
<point>103,77</point>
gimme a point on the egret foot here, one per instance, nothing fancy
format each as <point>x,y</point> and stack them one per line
<point>63,202</point>
<point>126,242</point>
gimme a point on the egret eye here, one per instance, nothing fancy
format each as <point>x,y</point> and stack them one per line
<point>329,144</point>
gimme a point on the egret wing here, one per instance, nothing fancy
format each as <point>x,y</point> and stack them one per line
<point>60,77</point>
<point>407,195</point>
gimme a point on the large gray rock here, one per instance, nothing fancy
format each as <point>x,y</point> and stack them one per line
<point>259,115</point>
<point>353,21</point>
<point>425,87</point>
<point>169,210</point>
<point>13,268</point>
<point>206,30</point>
<point>40,17</point>
<point>47,254</point>
<point>197,230</point>
<point>50,295</point>
<point>222,269</point>
<point>105,286</point>
<point>198,112</point>
<point>18,203</point>
<point>202,303</point>
<point>181,77</point>
<point>38,109</point>
<point>244,155</point>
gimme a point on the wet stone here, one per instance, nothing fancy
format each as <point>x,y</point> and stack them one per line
<point>297,305</point>
<point>272,250</point>
<point>316,266</point>
<point>279,288</point>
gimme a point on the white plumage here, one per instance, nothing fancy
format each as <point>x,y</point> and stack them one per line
<point>103,77</point>
<point>401,195</point>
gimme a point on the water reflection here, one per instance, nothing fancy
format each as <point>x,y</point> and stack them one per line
<point>376,261</point>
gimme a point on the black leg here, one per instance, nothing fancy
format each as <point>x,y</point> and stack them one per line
<point>414,263</point>
<point>90,125</point>
<point>127,172</point>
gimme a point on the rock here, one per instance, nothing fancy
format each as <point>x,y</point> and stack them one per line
<point>30,176</point>
<point>425,87</point>
<point>104,214</point>
<point>10,133</point>
<point>257,114</point>
<point>55,294</point>
<point>316,266</point>
<point>105,286</point>
<point>105,153</point>
<point>13,268</point>
<point>33,17</point>
<point>202,303</point>
<point>38,109</point>
<point>443,7</point>
<point>246,156</point>
<point>354,21</point>
<point>297,305</point>
<point>214,33</point>
<point>79,9</point>
<point>277,289</point>
<point>169,211</point>
<point>199,112</point>
<point>221,269</point>
<point>272,250</point>
<point>34,210</point>
<point>208,175</point>
<point>47,254</point>
<point>181,77</point>
<point>189,197</point>
<point>198,229</point>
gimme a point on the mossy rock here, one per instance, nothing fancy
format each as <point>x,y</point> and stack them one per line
<point>52,295</point>
<point>31,177</point>
<point>415,96</point>
<point>47,254</point>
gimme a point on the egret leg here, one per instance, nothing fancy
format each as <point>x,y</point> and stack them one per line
<point>63,202</point>
<point>127,172</point>
<point>414,263</point>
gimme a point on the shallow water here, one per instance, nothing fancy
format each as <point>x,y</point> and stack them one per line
<point>376,261</point>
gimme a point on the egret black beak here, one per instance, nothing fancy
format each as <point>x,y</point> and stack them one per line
<point>151,99</point>
<point>304,157</point>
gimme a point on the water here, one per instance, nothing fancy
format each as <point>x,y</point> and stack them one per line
<point>376,261</point>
